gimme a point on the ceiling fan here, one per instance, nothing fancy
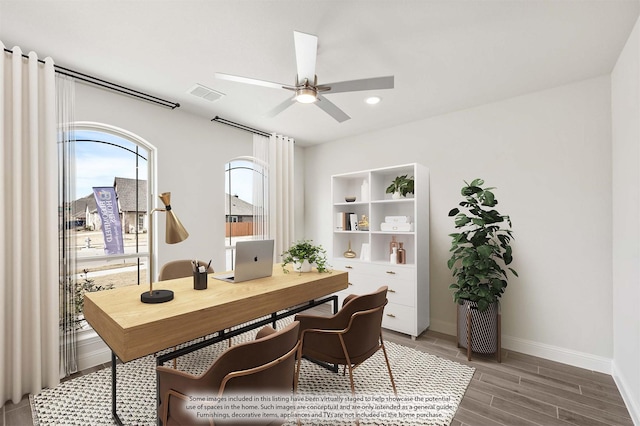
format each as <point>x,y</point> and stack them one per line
<point>306,88</point>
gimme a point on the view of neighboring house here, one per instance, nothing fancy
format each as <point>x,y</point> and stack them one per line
<point>132,206</point>
<point>238,216</point>
<point>82,208</point>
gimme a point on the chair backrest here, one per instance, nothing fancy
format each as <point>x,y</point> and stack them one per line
<point>265,364</point>
<point>361,318</point>
<point>179,269</point>
<point>362,338</point>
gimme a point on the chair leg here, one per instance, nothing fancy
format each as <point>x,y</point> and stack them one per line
<point>386,358</point>
<point>346,356</point>
<point>297,372</point>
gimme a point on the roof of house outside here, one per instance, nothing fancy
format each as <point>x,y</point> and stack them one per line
<point>239,207</point>
<point>80,206</point>
<point>126,190</point>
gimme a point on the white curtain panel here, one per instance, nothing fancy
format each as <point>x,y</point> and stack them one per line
<point>277,152</point>
<point>65,102</point>
<point>261,187</point>
<point>29,335</point>
<point>281,192</point>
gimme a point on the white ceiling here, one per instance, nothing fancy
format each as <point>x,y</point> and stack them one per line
<point>445,55</point>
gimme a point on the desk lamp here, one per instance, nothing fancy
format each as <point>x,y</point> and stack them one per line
<point>175,233</point>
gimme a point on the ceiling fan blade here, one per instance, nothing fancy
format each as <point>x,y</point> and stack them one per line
<point>306,53</point>
<point>375,83</point>
<point>247,80</point>
<point>331,109</point>
<point>280,107</point>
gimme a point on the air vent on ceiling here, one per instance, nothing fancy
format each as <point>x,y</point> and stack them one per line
<point>205,93</point>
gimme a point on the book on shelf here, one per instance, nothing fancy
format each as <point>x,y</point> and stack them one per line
<point>346,221</point>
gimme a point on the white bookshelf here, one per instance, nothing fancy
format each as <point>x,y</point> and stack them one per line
<point>408,295</point>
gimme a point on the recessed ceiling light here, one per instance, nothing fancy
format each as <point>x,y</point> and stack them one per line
<point>373,100</point>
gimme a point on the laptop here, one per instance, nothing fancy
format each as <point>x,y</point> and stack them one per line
<point>254,259</point>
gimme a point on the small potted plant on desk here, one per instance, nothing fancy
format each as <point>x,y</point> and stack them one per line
<point>401,186</point>
<point>304,255</point>
<point>481,251</point>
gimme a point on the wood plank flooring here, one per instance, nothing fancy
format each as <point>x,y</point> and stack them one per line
<point>526,390</point>
<point>522,390</point>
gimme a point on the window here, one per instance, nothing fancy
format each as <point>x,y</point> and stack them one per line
<point>245,195</point>
<point>103,156</point>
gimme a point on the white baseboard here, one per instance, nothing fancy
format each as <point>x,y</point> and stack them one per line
<point>558,354</point>
<point>542,350</point>
<point>632,403</point>
<point>92,350</point>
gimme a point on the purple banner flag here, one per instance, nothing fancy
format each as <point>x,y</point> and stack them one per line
<point>108,211</point>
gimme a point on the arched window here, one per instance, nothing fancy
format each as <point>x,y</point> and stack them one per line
<point>245,203</point>
<point>118,162</point>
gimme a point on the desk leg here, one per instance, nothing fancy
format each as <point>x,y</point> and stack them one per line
<point>116,418</point>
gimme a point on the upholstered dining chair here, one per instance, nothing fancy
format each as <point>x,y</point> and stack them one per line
<point>266,364</point>
<point>347,338</point>
<point>179,269</point>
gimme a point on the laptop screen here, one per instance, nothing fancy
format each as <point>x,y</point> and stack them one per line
<point>254,259</point>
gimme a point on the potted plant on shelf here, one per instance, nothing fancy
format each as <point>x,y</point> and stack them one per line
<point>304,255</point>
<point>401,186</point>
<point>480,253</point>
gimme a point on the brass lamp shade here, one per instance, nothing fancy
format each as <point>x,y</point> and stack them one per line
<point>175,233</point>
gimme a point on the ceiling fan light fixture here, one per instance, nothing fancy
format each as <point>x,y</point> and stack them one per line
<point>306,95</point>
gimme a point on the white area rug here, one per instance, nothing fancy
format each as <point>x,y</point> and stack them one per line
<point>429,391</point>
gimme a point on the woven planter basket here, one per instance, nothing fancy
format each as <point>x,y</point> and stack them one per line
<point>484,327</point>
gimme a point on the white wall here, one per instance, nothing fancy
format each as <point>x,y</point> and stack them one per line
<point>192,152</point>
<point>549,155</point>
<point>625,101</point>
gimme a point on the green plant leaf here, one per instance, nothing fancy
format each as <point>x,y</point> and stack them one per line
<point>488,198</point>
<point>451,262</point>
<point>470,190</point>
<point>454,211</point>
<point>482,305</point>
<point>461,220</point>
<point>485,250</point>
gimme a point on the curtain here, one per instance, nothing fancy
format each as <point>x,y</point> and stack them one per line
<point>260,186</point>
<point>277,152</point>
<point>29,336</point>
<point>69,311</point>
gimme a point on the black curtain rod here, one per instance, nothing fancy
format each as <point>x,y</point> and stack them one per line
<point>240,126</point>
<point>107,84</point>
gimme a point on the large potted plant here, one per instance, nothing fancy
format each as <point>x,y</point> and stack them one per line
<point>304,255</point>
<point>480,255</point>
<point>401,186</point>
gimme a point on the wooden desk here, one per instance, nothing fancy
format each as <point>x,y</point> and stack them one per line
<point>133,329</point>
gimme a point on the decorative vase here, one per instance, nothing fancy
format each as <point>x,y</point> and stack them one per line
<point>484,327</point>
<point>349,253</point>
<point>396,195</point>
<point>305,266</point>
<point>402,254</point>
